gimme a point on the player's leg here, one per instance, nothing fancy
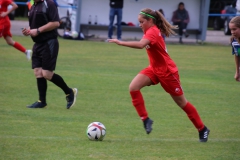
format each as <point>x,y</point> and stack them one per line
<point>135,86</point>
<point>18,46</point>
<point>193,115</point>
<point>137,83</point>
<point>8,37</point>
<point>144,78</point>
<point>190,110</point>
<point>172,85</point>
<point>49,61</point>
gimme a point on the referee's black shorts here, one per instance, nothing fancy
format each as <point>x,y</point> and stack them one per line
<point>45,55</point>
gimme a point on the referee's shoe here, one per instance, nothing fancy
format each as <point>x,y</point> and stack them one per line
<point>37,104</point>
<point>71,98</point>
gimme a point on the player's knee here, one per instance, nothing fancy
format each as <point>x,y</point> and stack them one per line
<point>181,103</point>
<point>133,87</point>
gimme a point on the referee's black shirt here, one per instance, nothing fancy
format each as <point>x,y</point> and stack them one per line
<point>40,14</point>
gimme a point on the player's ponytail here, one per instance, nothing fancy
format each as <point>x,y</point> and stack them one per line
<point>160,21</point>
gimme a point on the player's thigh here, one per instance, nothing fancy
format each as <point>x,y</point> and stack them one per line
<point>1,30</point>
<point>9,40</point>
<point>6,31</point>
<point>171,84</point>
<point>139,81</point>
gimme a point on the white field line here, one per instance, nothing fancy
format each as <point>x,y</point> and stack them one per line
<point>125,139</point>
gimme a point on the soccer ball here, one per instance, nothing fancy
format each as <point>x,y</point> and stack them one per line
<point>96,131</point>
<point>74,34</point>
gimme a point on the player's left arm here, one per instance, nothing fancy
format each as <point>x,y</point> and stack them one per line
<point>132,44</point>
<point>14,6</point>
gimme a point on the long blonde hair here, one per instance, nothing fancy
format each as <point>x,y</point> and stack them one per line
<point>160,21</point>
<point>236,22</point>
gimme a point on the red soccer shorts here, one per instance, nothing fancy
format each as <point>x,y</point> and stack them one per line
<point>170,83</point>
<point>5,31</point>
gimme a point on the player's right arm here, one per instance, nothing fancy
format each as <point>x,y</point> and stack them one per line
<point>14,7</point>
<point>132,44</point>
<point>237,74</point>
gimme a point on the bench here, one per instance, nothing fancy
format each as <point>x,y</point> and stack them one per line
<point>132,32</point>
<point>193,33</point>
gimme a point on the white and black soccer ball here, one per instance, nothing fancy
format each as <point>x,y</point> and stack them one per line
<point>74,34</point>
<point>96,131</point>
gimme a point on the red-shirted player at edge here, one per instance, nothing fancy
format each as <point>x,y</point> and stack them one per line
<point>162,69</point>
<point>5,26</point>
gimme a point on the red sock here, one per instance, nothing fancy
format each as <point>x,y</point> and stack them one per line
<point>19,47</point>
<point>138,103</point>
<point>193,116</point>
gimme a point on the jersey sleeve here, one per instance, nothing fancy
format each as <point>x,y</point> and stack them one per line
<point>53,15</point>
<point>150,35</point>
<point>235,48</point>
<point>7,2</point>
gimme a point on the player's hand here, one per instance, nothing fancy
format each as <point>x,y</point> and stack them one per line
<point>237,77</point>
<point>3,14</point>
<point>26,32</point>
<point>114,41</point>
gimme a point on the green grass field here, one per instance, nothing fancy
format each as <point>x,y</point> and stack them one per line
<point>102,73</point>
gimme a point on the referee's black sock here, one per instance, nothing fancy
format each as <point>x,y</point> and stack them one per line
<point>58,80</point>
<point>42,89</point>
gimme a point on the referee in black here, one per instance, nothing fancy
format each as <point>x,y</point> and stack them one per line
<point>44,21</point>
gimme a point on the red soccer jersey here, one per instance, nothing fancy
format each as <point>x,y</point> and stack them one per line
<point>3,8</point>
<point>159,59</point>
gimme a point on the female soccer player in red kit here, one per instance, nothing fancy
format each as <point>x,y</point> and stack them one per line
<point>162,69</point>
<point>5,26</point>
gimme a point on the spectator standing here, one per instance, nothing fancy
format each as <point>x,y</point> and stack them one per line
<point>181,18</point>
<point>116,7</point>
<point>5,26</point>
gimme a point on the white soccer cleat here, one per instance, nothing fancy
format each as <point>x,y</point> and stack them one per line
<point>28,54</point>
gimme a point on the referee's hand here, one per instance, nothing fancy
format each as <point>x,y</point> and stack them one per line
<point>26,32</point>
